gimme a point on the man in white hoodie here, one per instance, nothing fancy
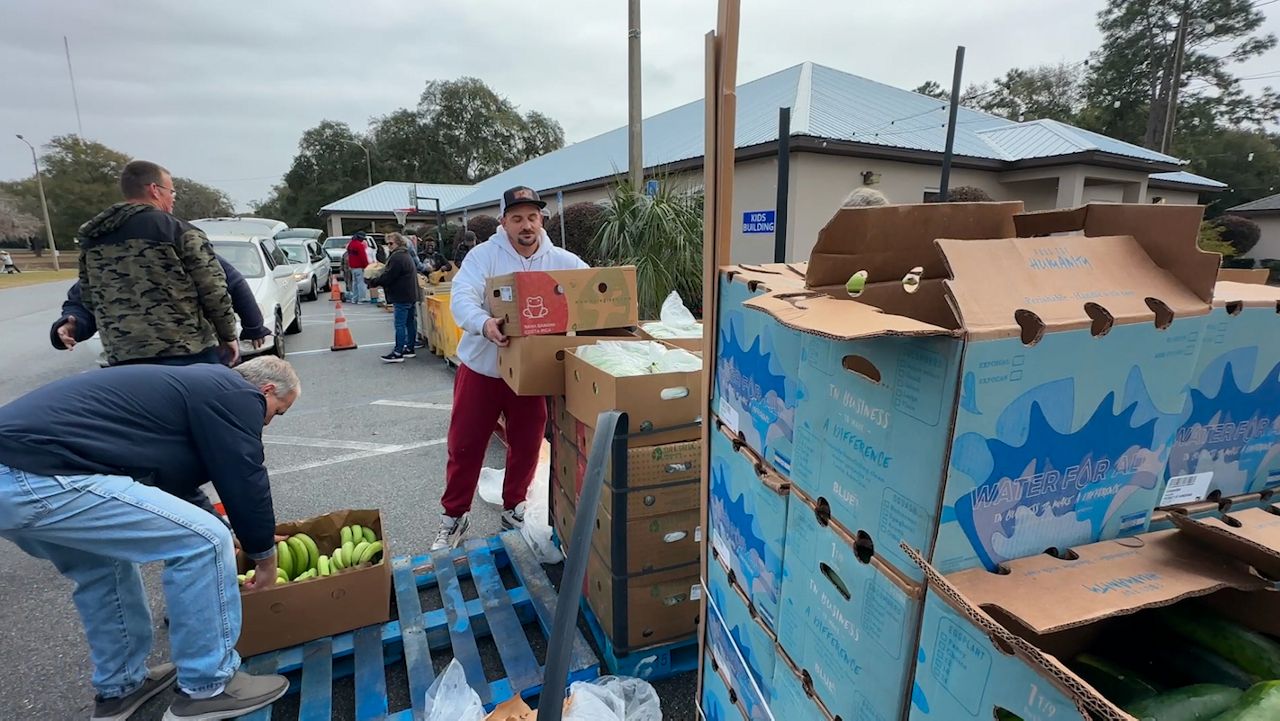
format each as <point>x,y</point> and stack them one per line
<point>479,393</point>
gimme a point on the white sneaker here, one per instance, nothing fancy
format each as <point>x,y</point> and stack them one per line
<point>514,518</point>
<point>450,533</point>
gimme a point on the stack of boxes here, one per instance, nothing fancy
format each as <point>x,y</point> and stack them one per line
<point>642,579</point>
<point>994,389</point>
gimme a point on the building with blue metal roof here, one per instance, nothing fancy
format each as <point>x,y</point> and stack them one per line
<point>381,201</point>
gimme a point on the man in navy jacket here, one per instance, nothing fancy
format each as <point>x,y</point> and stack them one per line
<point>72,455</point>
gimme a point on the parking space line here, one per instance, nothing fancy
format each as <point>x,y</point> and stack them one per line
<point>414,404</point>
<point>356,456</point>
<point>326,443</point>
<point>326,350</point>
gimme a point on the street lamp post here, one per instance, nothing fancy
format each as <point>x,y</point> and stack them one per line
<point>44,205</point>
<point>368,167</point>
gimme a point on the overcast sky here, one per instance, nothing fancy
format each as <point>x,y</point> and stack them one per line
<point>221,91</point>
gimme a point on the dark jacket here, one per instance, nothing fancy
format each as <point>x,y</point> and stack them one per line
<point>174,428</point>
<point>153,284</point>
<point>242,300</point>
<point>398,278</point>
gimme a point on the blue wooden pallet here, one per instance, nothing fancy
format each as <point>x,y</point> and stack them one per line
<point>651,663</point>
<point>498,612</point>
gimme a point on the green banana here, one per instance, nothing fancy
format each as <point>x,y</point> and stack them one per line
<point>370,551</point>
<point>347,548</point>
<point>357,533</point>
<point>368,535</point>
<point>305,575</point>
<point>357,551</point>
<point>346,534</point>
<point>284,559</point>
<point>323,566</point>
<point>250,572</point>
<point>301,557</point>
<point>240,579</point>
<point>337,562</point>
<point>313,551</point>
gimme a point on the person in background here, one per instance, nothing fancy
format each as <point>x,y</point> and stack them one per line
<point>72,454</point>
<point>152,281</point>
<point>9,267</point>
<point>400,281</point>
<point>465,245</point>
<point>357,261</point>
<point>864,198</point>
<point>77,324</point>
<point>479,393</point>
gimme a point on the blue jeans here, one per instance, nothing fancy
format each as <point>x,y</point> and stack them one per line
<point>359,291</point>
<point>404,334</point>
<point>96,530</point>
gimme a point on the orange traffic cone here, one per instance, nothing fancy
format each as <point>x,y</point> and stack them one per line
<point>336,286</point>
<point>342,339</point>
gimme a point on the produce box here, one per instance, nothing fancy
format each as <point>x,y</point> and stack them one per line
<point>1226,444</point>
<point>1102,631</point>
<point>288,614</point>
<point>648,480</point>
<point>1256,276</point>
<point>647,609</point>
<point>732,674</point>
<point>747,519</point>
<point>757,384</point>
<point>988,421</point>
<point>717,701</point>
<point>693,345</point>
<point>744,634</point>
<point>558,301</point>
<point>445,332</point>
<point>665,404</point>
<point>847,620</point>
<point>793,698</point>
<point>534,365</point>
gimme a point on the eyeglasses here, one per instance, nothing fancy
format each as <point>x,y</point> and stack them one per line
<point>172,192</point>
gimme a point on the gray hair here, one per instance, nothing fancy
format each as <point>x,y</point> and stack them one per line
<point>864,198</point>
<point>269,369</point>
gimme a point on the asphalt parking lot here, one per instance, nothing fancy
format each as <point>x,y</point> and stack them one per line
<point>364,434</point>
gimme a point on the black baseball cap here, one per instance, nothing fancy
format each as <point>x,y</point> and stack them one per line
<point>519,195</point>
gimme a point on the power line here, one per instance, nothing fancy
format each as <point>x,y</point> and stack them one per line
<point>239,180</point>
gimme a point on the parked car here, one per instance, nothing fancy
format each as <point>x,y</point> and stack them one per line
<point>310,266</point>
<point>336,247</point>
<point>266,267</point>
<point>244,225</point>
<point>305,233</point>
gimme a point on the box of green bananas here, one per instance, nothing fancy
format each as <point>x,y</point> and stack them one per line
<point>1174,625</point>
<point>333,575</point>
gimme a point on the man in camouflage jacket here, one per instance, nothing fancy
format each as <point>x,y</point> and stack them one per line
<point>152,280</point>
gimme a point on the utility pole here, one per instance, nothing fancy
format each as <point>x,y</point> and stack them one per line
<point>635,119</point>
<point>944,183</point>
<point>1179,54</point>
<point>44,205</point>
<point>66,46</point>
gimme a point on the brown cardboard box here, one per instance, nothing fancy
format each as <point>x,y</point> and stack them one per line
<point>1244,275</point>
<point>645,610</point>
<point>559,301</point>
<point>289,614</point>
<point>590,390</point>
<point>1046,609</point>
<point>659,479</point>
<point>534,365</point>
<point>560,414</point>
<point>693,345</point>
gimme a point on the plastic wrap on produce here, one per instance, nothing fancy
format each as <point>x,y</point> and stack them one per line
<point>674,321</point>
<point>630,358</point>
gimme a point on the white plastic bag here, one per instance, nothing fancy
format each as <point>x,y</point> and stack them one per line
<point>674,320</point>
<point>450,698</point>
<point>613,698</point>
<point>631,358</point>
<point>491,485</point>
<point>537,518</point>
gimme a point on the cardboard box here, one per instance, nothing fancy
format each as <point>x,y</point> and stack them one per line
<point>665,404</point>
<point>718,702</point>
<point>1004,641</point>
<point>646,545</point>
<point>559,301</point>
<point>744,635</point>
<point>987,421</point>
<point>1226,442</point>
<point>747,515</point>
<point>560,415</point>
<point>644,610</point>
<point>534,365</point>
<point>290,614</point>
<point>847,620</point>
<point>792,699</point>
<point>648,480</point>
<point>757,383</point>
<point>693,345</point>
<point>1257,276</point>
<point>722,658</point>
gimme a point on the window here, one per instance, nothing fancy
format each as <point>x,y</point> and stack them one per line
<point>273,251</point>
<point>932,196</point>
<point>244,257</point>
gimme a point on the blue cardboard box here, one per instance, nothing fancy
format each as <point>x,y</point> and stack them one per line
<point>1226,443</point>
<point>747,516</point>
<point>849,624</point>
<point>790,700</point>
<point>984,421</point>
<point>754,643</point>
<point>756,384</point>
<point>1007,641</point>
<point>715,701</point>
<point>723,661</point>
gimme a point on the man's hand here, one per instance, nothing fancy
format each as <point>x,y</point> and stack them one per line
<point>231,352</point>
<point>67,332</point>
<point>493,331</point>
<point>257,342</point>
<point>264,574</point>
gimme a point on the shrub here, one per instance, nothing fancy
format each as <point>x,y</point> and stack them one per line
<point>1210,240</point>
<point>483,226</point>
<point>1243,234</point>
<point>581,224</point>
<point>968,194</point>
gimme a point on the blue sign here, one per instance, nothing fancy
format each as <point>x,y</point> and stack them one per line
<point>758,221</point>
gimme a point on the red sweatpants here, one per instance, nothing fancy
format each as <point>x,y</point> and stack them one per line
<point>478,400</point>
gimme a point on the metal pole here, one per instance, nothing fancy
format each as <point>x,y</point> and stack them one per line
<point>439,222</point>
<point>66,46</point>
<point>945,183</point>
<point>1171,106</point>
<point>560,205</point>
<point>784,186</point>
<point>44,205</point>
<point>635,120</point>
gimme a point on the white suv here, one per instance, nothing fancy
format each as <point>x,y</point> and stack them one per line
<point>269,274</point>
<point>310,266</point>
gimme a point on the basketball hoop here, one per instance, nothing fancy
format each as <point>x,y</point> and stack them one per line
<point>401,216</point>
